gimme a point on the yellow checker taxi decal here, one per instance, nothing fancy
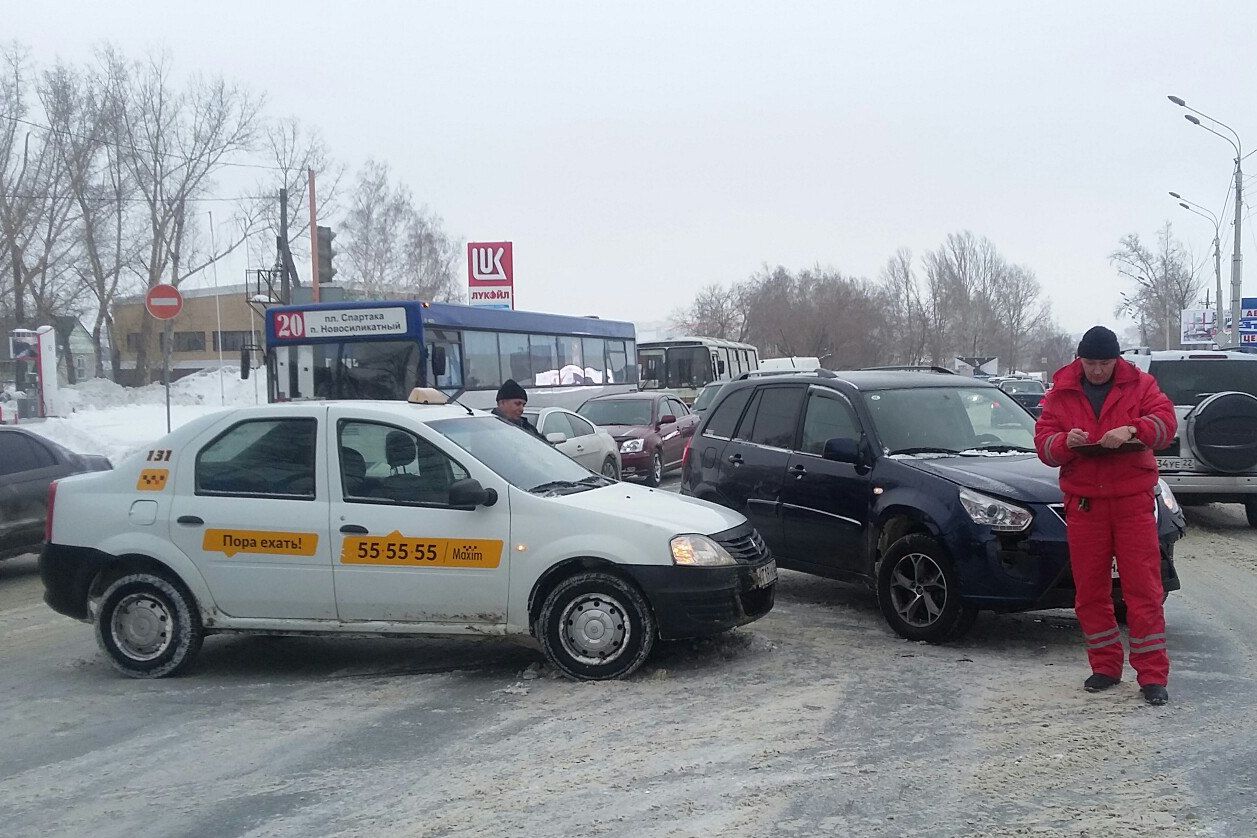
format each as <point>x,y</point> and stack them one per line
<point>152,479</point>
<point>399,550</point>
<point>231,542</point>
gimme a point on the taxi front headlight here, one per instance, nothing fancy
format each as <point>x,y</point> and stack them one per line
<point>699,551</point>
<point>1167,496</point>
<point>631,446</point>
<point>997,514</point>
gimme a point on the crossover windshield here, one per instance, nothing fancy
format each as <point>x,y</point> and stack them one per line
<point>519,457</point>
<point>949,420</point>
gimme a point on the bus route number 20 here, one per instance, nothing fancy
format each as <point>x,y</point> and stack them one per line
<point>289,325</point>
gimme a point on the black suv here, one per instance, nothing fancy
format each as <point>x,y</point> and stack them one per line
<point>924,485</point>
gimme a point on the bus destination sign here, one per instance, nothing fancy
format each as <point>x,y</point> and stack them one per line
<point>338,323</point>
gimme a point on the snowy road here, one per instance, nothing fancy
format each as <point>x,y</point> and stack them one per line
<point>815,720</point>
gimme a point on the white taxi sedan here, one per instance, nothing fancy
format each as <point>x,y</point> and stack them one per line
<point>389,518</point>
<point>578,438</point>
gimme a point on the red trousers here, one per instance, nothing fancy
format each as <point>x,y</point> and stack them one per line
<point>1124,527</point>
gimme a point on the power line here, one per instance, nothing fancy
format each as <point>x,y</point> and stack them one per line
<point>116,144</point>
<point>50,196</point>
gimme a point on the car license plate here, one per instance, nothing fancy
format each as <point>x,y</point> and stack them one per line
<point>765,575</point>
<point>1177,464</point>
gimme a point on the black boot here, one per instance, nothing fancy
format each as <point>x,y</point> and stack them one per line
<point>1098,682</point>
<point>1155,694</point>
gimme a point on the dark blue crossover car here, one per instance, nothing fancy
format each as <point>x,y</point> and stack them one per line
<point>924,485</point>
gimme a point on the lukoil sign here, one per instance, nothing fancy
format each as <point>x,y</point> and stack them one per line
<point>490,274</point>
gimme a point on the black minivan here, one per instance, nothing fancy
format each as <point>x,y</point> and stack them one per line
<point>924,485</point>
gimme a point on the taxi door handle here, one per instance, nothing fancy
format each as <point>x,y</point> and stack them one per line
<point>189,519</point>
<point>353,529</point>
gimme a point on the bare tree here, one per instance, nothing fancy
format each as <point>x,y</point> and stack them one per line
<point>80,110</point>
<point>177,139</point>
<point>295,148</point>
<point>716,312</point>
<point>1166,282</point>
<point>392,248</point>
<point>35,209</point>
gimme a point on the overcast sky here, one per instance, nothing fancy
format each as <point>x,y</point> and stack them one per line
<point>636,152</point>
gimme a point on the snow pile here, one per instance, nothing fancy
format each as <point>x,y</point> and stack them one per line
<point>102,417</point>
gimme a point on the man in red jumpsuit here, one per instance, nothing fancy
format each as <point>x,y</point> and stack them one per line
<point>1109,504</point>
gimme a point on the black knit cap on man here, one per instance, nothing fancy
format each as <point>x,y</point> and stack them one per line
<point>511,400</point>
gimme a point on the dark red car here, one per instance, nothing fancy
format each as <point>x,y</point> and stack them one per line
<point>650,428</point>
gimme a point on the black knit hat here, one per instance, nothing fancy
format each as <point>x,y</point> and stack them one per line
<point>510,390</point>
<point>1099,344</point>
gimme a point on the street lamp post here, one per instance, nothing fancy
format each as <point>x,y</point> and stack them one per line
<point>1236,255</point>
<point>1207,214</point>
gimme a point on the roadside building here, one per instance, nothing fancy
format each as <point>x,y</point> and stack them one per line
<point>198,341</point>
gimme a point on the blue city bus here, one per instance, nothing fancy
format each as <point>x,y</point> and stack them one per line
<point>381,349</point>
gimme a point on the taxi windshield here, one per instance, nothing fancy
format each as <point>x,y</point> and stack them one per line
<point>950,420</point>
<point>517,456</point>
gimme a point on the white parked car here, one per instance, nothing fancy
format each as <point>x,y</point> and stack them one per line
<point>578,438</point>
<point>389,518</point>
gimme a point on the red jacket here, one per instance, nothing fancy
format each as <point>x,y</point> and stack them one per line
<point>1135,399</point>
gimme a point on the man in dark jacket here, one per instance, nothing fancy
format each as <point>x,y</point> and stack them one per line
<point>510,409</point>
<point>1097,407</point>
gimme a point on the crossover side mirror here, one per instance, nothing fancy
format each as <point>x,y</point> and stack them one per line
<point>842,450</point>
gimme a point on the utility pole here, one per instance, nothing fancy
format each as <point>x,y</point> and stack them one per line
<point>314,231</point>
<point>281,244</point>
<point>1237,259</point>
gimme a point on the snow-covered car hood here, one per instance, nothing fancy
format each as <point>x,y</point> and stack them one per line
<point>1022,478</point>
<point>655,508</point>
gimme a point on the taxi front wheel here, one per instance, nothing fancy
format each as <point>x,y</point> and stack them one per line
<point>148,626</point>
<point>595,626</point>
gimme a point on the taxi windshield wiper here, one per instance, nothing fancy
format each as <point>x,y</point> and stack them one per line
<point>558,484</point>
<point>925,449</point>
<point>1000,448</point>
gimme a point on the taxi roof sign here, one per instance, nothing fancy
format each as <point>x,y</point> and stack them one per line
<point>427,395</point>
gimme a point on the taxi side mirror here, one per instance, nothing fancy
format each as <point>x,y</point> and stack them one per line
<point>468,494</point>
<point>556,437</point>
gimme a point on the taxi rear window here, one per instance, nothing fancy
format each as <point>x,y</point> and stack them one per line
<point>260,458</point>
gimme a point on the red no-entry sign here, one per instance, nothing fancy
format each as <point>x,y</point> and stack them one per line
<point>163,301</point>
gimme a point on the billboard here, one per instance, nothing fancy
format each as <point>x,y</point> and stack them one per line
<point>1197,326</point>
<point>490,275</point>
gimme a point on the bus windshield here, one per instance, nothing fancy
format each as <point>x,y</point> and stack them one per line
<point>675,367</point>
<point>348,370</point>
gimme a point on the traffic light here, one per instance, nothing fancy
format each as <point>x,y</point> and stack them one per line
<point>325,252</point>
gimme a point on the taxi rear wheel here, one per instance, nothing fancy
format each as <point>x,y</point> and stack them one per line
<point>148,626</point>
<point>595,626</point>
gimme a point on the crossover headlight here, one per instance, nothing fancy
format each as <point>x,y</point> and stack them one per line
<point>631,446</point>
<point>995,513</point>
<point>699,551</point>
<point>1167,496</point>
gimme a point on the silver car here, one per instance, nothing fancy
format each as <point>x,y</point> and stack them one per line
<point>576,437</point>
